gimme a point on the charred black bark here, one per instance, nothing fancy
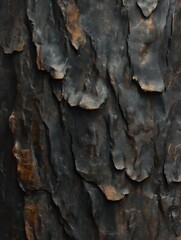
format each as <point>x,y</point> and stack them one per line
<point>90,119</point>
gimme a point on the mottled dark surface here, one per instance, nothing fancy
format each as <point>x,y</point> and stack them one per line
<point>90,120</point>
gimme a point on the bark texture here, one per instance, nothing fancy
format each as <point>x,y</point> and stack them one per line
<point>90,119</point>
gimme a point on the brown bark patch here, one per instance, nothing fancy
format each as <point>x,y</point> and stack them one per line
<point>26,166</point>
<point>32,220</point>
<point>72,15</point>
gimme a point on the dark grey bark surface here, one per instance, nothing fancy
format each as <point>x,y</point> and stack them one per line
<point>90,119</point>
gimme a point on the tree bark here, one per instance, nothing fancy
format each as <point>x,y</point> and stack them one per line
<point>90,119</point>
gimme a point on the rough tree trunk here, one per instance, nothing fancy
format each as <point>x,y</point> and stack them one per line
<point>91,90</point>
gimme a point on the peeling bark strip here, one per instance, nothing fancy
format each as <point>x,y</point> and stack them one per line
<point>48,37</point>
<point>72,20</point>
<point>97,155</point>
<point>148,6</point>
<point>12,27</point>
<point>145,44</point>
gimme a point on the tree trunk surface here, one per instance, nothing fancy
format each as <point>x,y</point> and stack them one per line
<point>90,120</point>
